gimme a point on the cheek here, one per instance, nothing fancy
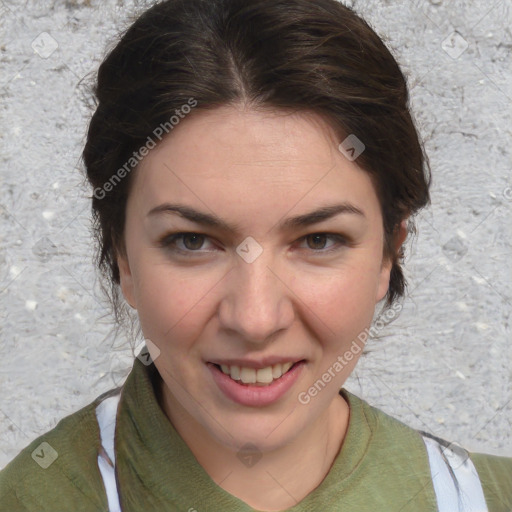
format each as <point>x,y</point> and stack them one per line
<point>171,305</point>
<point>342,302</point>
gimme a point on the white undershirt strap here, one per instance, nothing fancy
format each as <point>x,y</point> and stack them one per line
<point>106,416</point>
<point>455,479</point>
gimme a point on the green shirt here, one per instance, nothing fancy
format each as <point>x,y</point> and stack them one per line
<point>382,465</point>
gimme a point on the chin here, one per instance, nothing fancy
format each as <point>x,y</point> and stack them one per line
<point>267,432</point>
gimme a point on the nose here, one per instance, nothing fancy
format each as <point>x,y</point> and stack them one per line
<point>258,303</point>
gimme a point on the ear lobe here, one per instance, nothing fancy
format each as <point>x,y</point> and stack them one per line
<point>385,273</point>
<point>126,280</point>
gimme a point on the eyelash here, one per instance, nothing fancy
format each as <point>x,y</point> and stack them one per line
<point>169,240</point>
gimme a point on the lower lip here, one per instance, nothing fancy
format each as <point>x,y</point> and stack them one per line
<point>256,396</point>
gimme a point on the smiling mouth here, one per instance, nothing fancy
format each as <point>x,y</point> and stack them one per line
<point>257,377</point>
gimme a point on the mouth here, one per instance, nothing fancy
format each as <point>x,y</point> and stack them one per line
<point>256,387</point>
<point>257,376</point>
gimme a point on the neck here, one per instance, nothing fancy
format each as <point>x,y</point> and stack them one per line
<point>283,476</point>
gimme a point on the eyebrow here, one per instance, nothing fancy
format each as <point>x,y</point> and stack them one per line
<point>306,219</point>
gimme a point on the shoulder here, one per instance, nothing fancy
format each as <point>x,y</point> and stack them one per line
<point>393,461</point>
<point>495,474</point>
<point>58,470</point>
<point>406,448</point>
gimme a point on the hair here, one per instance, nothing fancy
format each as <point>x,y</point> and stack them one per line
<point>284,55</point>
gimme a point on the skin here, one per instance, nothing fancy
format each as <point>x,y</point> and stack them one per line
<point>254,169</point>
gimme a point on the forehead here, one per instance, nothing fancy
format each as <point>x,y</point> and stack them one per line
<point>245,156</point>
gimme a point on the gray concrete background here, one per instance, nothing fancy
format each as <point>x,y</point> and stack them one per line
<point>443,366</point>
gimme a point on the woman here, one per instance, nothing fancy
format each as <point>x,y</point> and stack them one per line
<point>254,171</point>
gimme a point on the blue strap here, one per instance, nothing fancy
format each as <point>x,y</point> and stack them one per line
<point>455,479</point>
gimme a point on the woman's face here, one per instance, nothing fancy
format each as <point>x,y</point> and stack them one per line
<point>260,280</point>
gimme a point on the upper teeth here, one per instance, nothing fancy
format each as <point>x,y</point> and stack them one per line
<point>253,376</point>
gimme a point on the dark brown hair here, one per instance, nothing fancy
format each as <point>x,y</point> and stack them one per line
<point>296,55</point>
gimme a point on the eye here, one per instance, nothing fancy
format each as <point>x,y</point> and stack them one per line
<point>188,243</point>
<point>191,242</point>
<point>318,241</point>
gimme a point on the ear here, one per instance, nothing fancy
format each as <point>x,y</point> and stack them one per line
<point>126,280</point>
<point>385,272</point>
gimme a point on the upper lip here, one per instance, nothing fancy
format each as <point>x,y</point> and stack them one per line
<point>256,364</point>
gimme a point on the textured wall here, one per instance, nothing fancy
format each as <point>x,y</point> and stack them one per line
<point>444,365</point>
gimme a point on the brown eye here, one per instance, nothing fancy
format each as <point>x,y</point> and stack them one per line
<point>183,243</point>
<point>196,241</point>
<point>318,241</point>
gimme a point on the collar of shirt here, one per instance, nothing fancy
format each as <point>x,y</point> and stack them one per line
<point>156,468</point>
